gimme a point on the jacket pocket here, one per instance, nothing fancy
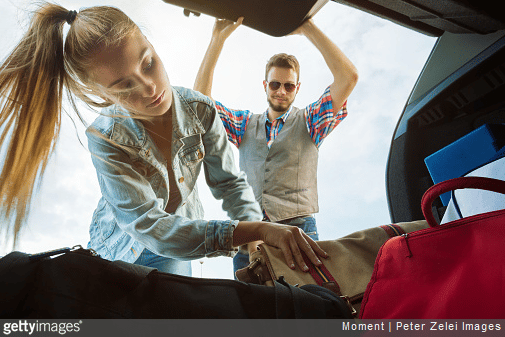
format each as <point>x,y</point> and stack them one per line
<point>192,158</point>
<point>192,155</point>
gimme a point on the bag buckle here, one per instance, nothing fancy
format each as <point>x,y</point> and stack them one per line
<point>347,301</point>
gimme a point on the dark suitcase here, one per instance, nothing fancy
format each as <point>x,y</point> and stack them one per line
<point>273,17</point>
<point>79,284</point>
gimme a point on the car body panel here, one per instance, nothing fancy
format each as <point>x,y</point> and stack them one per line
<point>272,17</point>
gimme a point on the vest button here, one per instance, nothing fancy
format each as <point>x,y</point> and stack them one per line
<point>181,180</point>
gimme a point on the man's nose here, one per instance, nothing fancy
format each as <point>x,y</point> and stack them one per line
<point>282,90</point>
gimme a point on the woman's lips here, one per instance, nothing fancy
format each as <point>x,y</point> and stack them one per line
<point>157,101</point>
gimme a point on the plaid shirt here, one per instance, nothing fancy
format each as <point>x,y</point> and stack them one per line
<point>321,120</point>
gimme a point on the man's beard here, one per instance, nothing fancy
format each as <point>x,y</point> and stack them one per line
<point>279,107</point>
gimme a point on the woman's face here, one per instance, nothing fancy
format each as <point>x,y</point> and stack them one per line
<point>133,76</point>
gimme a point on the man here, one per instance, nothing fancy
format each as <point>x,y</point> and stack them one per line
<point>279,148</point>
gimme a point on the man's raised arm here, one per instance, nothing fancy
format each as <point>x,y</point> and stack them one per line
<point>344,73</point>
<point>222,30</point>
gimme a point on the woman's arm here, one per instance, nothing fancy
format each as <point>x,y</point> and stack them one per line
<point>222,175</point>
<point>138,211</point>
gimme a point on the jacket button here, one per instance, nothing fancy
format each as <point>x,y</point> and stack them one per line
<point>181,180</point>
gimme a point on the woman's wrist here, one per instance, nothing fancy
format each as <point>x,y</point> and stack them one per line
<point>247,231</point>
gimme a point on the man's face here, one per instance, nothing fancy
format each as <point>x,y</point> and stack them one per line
<point>134,76</point>
<point>281,99</point>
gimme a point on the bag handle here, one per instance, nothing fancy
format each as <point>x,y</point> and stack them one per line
<point>482,183</point>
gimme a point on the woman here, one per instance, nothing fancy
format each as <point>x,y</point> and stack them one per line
<point>148,145</point>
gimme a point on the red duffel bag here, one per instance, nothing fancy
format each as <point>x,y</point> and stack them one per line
<point>450,271</point>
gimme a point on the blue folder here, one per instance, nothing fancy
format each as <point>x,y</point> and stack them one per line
<point>466,154</point>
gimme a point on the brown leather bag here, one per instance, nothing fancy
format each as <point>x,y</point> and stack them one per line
<point>346,272</point>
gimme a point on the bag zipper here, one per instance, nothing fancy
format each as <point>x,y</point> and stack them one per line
<point>60,251</point>
<point>405,245</point>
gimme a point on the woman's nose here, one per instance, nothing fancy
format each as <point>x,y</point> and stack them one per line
<point>149,89</point>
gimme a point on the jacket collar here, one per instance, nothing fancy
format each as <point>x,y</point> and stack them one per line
<point>184,119</point>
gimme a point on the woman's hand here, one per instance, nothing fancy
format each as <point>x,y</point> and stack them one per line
<point>290,239</point>
<point>253,246</point>
<point>223,28</point>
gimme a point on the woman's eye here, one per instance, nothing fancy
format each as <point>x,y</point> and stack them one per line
<point>149,65</point>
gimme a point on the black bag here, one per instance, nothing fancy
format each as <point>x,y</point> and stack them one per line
<point>79,284</point>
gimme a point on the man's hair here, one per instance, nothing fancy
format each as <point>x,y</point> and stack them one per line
<point>283,60</point>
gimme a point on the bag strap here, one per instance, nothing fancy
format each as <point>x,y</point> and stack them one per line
<point>482,183</point>
<point>310,302</point>
<point>322,275</point>
<point>393,230</point>
<point>294,302</point>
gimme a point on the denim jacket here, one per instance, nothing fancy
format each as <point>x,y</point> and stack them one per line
<point>133,179</point>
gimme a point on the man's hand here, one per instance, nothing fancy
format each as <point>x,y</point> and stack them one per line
<point>306,25</point>
<point>221,31</point>
<point>223,28</point>
<point>344,73</point>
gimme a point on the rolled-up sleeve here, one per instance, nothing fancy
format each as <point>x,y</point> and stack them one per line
<point>322,117</point>
<point>219,237</point>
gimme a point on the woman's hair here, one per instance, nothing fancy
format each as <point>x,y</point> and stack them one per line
<point>283,60</point>
<point>32,82</point>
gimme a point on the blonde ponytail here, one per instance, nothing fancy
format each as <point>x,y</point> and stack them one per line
<point>32,81</point>
<point>31,86</point>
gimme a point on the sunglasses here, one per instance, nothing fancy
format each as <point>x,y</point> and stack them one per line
<point>290,87</point>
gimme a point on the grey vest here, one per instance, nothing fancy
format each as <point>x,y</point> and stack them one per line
<point>284,177</point>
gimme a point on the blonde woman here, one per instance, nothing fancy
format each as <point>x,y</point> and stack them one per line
<point>148,145</point>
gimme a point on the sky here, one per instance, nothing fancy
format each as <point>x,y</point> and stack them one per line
<point>352,160</point>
